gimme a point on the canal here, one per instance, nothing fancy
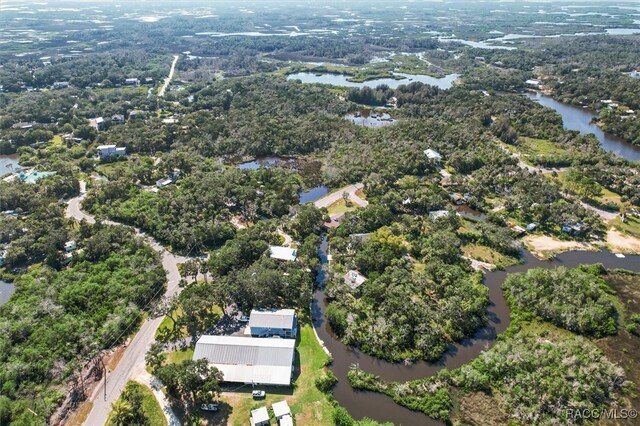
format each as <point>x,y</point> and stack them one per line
<point>382,408</point>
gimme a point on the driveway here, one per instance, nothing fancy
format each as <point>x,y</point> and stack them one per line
<point>351,190</point>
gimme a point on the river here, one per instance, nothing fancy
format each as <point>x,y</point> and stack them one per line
<point>343,80</point>
<point>579,119</point>
<point>382,408</point>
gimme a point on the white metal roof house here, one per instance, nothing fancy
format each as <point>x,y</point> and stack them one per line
<point>281,409</point>
<point>274,322</point>
<point>260,417</point>
<point>283,253</point>
<point>106,151</point>
<point>248,360</point>
<point>433,155</point>
<point>437,214</point>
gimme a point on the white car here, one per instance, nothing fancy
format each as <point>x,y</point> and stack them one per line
<point>258,394</point>
<point>209,407</point>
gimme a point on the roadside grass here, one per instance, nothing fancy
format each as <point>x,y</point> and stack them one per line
<point>150,406</point>
<point>80,415</point>
<point>340,206</point>
<point>308,405</point>
<point>608,196</point>
<point>630,227</point>
<point>540,147</point>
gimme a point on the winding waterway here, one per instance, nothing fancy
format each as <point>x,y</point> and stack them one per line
<point>382,408</point>
<point>579,119</point>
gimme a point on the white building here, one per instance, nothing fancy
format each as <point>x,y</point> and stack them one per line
<point>273,322</point>
<point>283,253</point>
<point>533,83</point>
<point>60,85</point>
<point>132,82</point>
<point>248,360</point>
<point>437,214</point>
<point>108,151</point>
<point>281,409</point>
<point>354,279</point>
<point>433,155</point>
<point>260,417</point>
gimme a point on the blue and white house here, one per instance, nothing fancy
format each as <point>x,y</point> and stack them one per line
<point>274,322</point>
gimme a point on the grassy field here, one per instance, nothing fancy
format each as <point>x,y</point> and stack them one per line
<point>340,206</point>
<point>630,227</point>
<point>308,405</point>
<point>150,406</point>
<point>609,197</point>
<point>487,254</point>
<point>176,357</point>
<point>539,147</point>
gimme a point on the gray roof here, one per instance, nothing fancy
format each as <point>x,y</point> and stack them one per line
<point>281,318</point>
<point>248,360</point>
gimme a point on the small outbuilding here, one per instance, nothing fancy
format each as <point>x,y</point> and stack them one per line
<point>281,409</point>
<point>260,417</point>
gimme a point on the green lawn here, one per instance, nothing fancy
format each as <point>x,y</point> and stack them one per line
<point>487,254</point>
<point>176,357</point>
<point>540,147</point>
<point>609,197</point>
<point>630,227</point>
<point>340,206</point>
<point>308,405</point>
<point>150,406</point>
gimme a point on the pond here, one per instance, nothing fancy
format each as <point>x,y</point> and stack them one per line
<point>8,163</point>
<point>382,408</point>
<point>579,119</point>
<point>370,118</point>
<point>343,80</point>
<point>6,290</point>
<point>309,170</point>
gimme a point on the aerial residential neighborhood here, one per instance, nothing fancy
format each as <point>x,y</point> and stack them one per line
<point>330,213</point>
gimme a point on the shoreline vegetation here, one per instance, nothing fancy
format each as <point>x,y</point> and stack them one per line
<point>529,353</point>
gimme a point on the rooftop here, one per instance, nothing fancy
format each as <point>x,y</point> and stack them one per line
<point>249,360</point>
<point>280,409</point>
<point>283,253</point>
<point>275,318</point>
<point>259,416</point>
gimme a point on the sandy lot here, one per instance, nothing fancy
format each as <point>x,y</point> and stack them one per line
<point>620,242</point>
<point>543,246</point>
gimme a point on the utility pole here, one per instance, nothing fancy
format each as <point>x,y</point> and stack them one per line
<point>104,371</point>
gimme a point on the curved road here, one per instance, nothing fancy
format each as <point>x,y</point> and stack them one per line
<point>132,362</point>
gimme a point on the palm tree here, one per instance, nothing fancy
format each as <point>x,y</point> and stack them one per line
<point>121,413</point>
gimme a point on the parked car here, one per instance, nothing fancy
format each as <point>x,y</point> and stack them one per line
<point>210,407</point>
<point>244,318</point>
<point>258,394</point>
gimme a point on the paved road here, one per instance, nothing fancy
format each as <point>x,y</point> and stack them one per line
<point>132,362</point>
<point>329,199</point>
<point>167,80</point>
